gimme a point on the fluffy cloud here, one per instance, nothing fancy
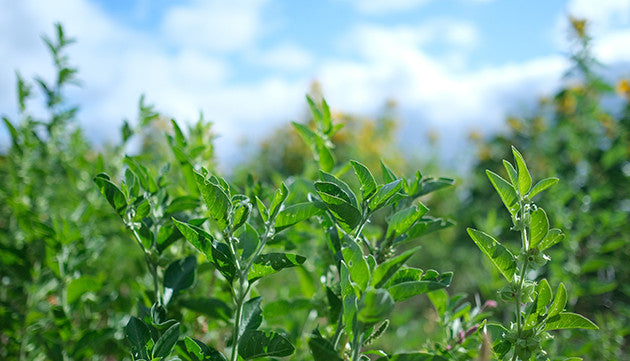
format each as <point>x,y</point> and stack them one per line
<point>386,6</point>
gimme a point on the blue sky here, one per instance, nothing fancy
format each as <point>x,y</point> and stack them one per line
<point>452,65</point>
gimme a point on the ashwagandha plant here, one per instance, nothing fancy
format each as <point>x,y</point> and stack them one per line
<point>537,310</point>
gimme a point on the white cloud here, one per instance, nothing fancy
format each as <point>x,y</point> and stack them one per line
<point>386,6</point>
<point>287,57</point>
<point>215,25</point>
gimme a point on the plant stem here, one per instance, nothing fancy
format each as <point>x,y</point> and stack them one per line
<point>152,267</point>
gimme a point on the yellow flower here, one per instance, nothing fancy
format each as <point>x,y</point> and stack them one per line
<point>623,88</point>
<point>579,25</point>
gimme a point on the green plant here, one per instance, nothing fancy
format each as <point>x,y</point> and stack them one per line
<point>537,311</point>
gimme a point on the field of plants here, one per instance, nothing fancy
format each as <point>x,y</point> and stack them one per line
<point>329,245</point>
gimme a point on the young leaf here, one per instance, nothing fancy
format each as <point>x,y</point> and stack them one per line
<point>357,265</point>
<point>565,320</point>
<point>558,302</point>
<point>402,220</point>
<point>544,296</point>
<point>165,343</point>
<point>322,349</point>
<point>539,226</point>
<point>294,214</point>
<point>307,135</point>
<point>222,259</point>
<point>216,200</point>
<point>254,344</point>
<point>179,275</point>
<point>427,225</point>
<point>264,213</point>
<point>387,269</point>
<point>114,196</point>
<point>252,315</point>
<point>505,190</point>
<point>338,203</point>
<point>366,179</point>
<point>324,155</point>
<point>500,256</point>
<point>384,193</point>
<point>248,240</point>
<point>266,264</point>
<point>541,186</point>
<point>512,174</point>
<point>431,185</point>
<point>327,177</point>
<point>278,199</point>
<point>375,305</point>
<point>388,174</point>
<point>524,179</point>
<point>348,297</point>
<point>430,281</point>
<point>553,236</point>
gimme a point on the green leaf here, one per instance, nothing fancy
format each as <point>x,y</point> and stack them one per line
<point>294,214</point>
<point>565,320</point>
<point>558,302</point>
<point>110,191</point>
<point>500,256</point>
<point>240,215</point>
<point>212,307</point>
<point>375,305</point>
<point>251,317</point>
<point>254,343</point>
<point>327,177</point>
<point>264,213</point>
<point>348,296</point>
<point>279,197</point>
<point>357,264</point>
<point>541,186</point>
<point>430,281</point>
<point>308,136</point>
<point>324,155</point>
<point>505,190</point>
<point>146,180</point>
<point>179,275</point>
<point>165,343</point>
<point>387,269</point>
<point>439,299</point>
<point>430,185</point>
<point>512,174</point>
<point>524,179</point>
<point>366,179</point>
<point>222,259</point>
<point>184,203</point>
<point>338,203</point>
<point>539,226</point>
<point>544,296</point>
<point>77,287</point>
<point>402,220</point>
<point>322,349</point>
<point>553,236</point>
<point>427,225</point>
<point>198,238</point>
<point>216,200</point>
<point>266,264</point>
<point>413,356</point>
<point>198,351</point>
<point>138,334</point>
<point>384,193</point>
<point>248,240</point>
<point>405,274</point>
<point>388,174</point>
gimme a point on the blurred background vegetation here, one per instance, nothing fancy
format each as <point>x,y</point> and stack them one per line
<point>70,273</point>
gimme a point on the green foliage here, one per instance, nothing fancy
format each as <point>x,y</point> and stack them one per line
<point>523,339</point>
<point>315,255</point>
